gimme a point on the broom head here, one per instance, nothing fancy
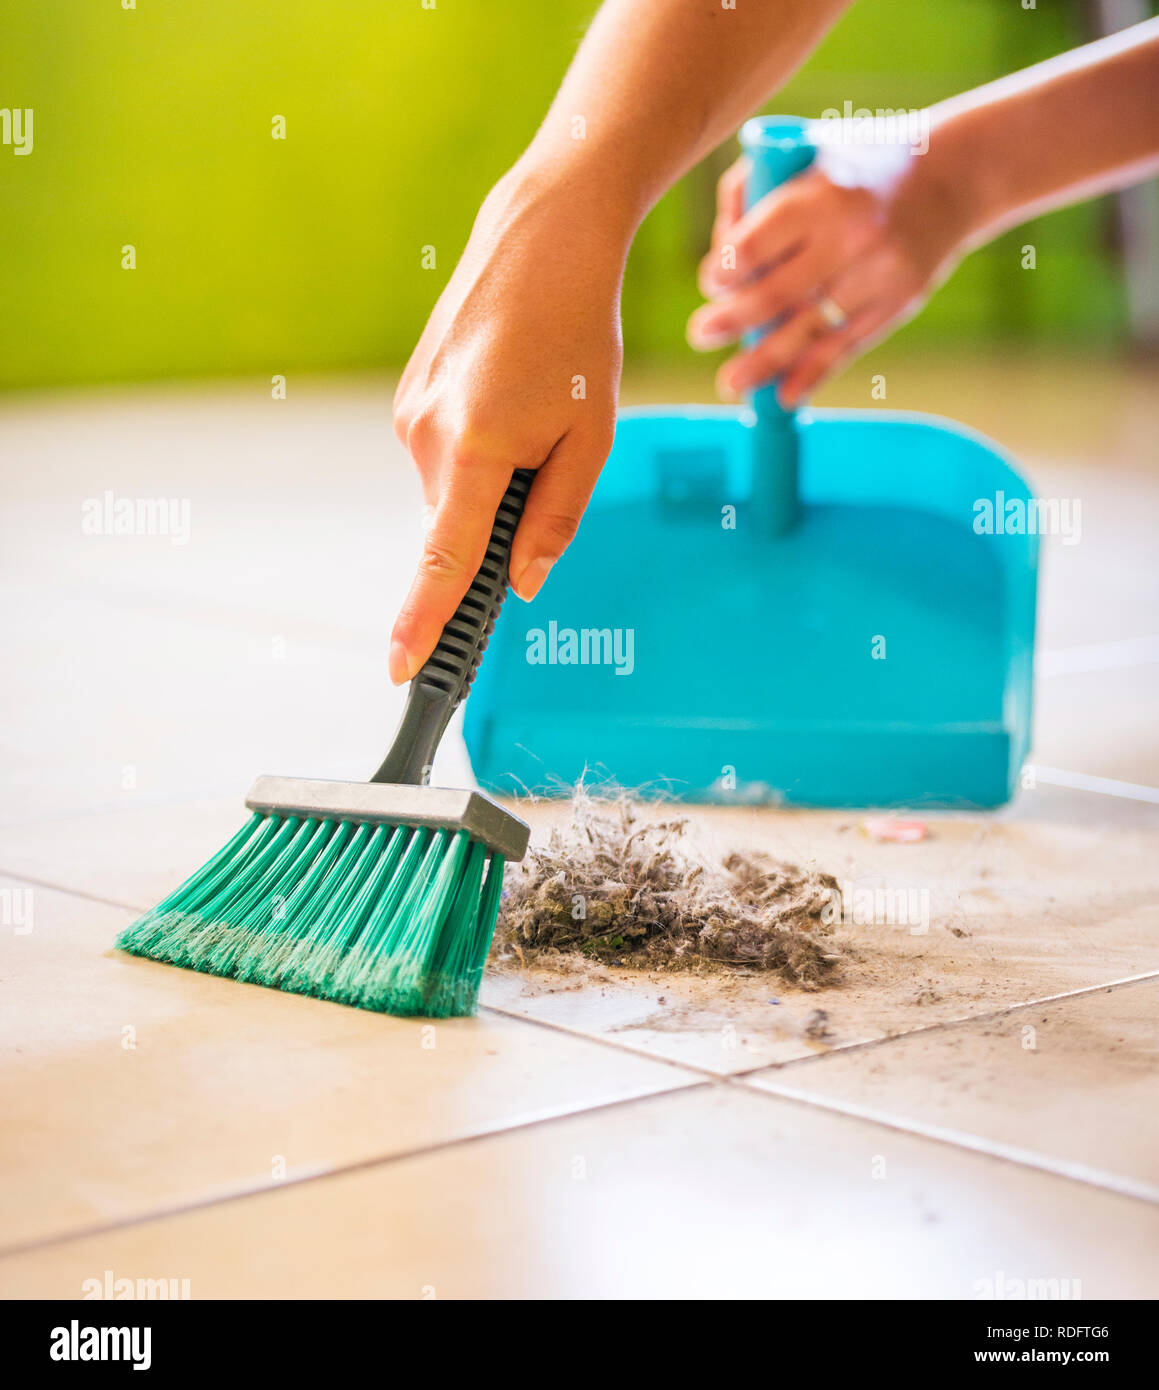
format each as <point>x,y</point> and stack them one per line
<point>371,894</point>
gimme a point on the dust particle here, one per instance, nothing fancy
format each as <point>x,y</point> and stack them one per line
<point>817,1026</point>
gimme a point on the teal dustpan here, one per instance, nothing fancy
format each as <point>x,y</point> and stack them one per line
<point>817,609</point>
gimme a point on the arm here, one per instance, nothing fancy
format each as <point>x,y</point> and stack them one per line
<point>1084,123</point>
<point>519,364</point>
<point>877,239</point>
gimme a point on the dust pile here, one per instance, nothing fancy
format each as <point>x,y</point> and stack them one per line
<point>617,887</point>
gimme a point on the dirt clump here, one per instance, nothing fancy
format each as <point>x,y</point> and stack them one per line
<point>617,887</point>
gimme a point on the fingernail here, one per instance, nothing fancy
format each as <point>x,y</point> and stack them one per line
<point>531,579</point>
<point>706,338</point>
<point>726,389</point>
<point>399,663</point>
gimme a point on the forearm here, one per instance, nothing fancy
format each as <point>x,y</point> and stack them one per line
<point>657,84</point>
<point>1084,123</point>
<point>533,307</point>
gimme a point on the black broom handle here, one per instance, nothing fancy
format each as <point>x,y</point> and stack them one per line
<point>445,679</point>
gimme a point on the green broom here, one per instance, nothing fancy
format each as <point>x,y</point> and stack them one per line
<point>383,894</point>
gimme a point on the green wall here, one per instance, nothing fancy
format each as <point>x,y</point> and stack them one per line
<point>255,255</point>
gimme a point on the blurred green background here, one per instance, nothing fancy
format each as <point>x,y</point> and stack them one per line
<point>255,255</point>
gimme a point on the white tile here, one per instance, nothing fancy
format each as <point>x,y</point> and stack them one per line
<point>1072,1084</point>
<point>130,1087</point>
<point>707,1194</point>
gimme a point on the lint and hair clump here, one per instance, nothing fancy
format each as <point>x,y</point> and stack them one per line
<point>617,887</point>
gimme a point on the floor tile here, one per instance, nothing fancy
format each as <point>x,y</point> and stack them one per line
<point>1074,1082</point>
<point>1054,894</point>
<point>300,521</point>
<point>710,1193</point>
<point>1100,722</point>
<point>128,1087</point>
<point>152,837</point>
<point>254,639</point>
<point>110,707</point>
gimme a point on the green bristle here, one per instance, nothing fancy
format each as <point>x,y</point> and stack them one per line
<point>389,918</point>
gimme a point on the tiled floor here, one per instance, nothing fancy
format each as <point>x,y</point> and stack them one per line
<point>978,1097</point>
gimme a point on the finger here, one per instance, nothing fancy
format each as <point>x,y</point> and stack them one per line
<point>869,280</point>
<point>424,439</point>
<point>724,320</point>
<point>776,352</point>
<point>870,295</point>
<point>830,354</point>
<point>796,281</point>
<point>558,497</point>
<point>765,234</point>
<point>787,287</point>
<point>730,192</point>
<point>453,549</point>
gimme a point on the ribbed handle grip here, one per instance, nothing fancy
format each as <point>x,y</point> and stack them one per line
<point>453,663</point>
<point>445,679</point>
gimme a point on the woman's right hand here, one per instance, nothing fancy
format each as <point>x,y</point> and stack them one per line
<point>518,367</point>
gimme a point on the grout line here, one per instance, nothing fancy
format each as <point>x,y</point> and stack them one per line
<point>954,1138</point>
<point>640,1051</point>
<point>1097,656</point>
<point>605,1040</point>
<point>601,1039</point>
<point>1010,1154</point>
<point>72,892</point>
<point>699,1070</point>
<point>1006,1153</point>
<point>363,1165</point>
<point>1087,782</point>
<point>926,1029</point>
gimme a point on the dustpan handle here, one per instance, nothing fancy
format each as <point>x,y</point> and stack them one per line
<point>778,147</point>
<point>444,680</point>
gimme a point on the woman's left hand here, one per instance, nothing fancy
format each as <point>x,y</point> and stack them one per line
<point>832,261</point>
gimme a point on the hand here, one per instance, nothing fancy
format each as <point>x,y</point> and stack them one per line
<point>838,257</point>
<point>518,367</point>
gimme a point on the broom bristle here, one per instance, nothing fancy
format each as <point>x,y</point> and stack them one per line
<point>389,918</point>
